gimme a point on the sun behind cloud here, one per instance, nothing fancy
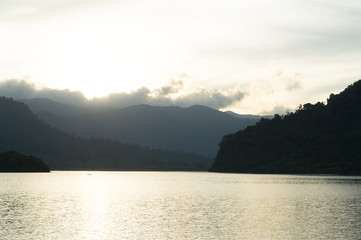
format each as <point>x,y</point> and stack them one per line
<point>103,47</point>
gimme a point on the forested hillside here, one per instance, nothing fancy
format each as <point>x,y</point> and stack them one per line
<point>12,161</point>
<point>316,139</point>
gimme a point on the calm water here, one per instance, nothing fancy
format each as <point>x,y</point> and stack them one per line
<point>178,205</point>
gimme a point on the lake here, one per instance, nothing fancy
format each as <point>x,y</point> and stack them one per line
<point>177,205</point>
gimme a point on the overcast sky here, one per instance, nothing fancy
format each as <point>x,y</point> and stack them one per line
<point>249,56</point>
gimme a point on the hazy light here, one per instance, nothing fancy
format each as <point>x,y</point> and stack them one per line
<point>120,46</point>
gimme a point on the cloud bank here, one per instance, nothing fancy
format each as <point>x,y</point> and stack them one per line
<point>172,93</point>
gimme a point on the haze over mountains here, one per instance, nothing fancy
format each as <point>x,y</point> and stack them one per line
<point>316,139</point>
<point>196,129</point>
<point>22,131</point>
<point>103,134</point>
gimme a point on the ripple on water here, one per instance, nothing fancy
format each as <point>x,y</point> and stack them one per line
<point>178,205</point>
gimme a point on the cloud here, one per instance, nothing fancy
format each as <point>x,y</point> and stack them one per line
<point>278,109</point>
<point>172,86</point>
<point>278,93</point>
<point>283,76</point>
<point>23,8</point>
<point>213,98</point>
<point>291,81</point>
<point>22,89</point>
<point>17,89</point>
<point>119,100</point>
<point>172,93</point>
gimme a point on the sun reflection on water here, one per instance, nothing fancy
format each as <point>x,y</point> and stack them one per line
<point>153,205</point>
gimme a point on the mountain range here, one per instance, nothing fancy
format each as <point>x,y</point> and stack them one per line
<point>21,130</point>
<point>196,129</point>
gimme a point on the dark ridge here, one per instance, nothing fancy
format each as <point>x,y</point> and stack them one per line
<point>12,161</point>
<point>316,139</point>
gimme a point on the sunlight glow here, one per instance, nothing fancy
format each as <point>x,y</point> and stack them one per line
<point>119,46</point>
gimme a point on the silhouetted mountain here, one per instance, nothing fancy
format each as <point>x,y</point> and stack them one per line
<point>196,129</point>
<point>316,139</point>
<point>15,162</point>
<point>37,105</point>
<point>22,131</point>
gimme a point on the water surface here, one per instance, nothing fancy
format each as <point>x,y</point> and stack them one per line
<point>178,205</point>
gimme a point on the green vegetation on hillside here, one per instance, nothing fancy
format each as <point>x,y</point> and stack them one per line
<point>316,139</point>
<point>15,162</point>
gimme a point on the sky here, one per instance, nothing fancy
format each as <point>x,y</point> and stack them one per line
<point>248,56</point>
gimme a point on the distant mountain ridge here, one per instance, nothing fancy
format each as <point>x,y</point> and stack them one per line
<point>37,105</point>
<point>316,139</point>
<point>22,131</point>
<point>196,129</point>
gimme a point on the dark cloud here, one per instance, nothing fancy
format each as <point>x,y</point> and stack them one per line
<point>172,87</point>
<point>21,89</point>
<point>211,98</point>
<point>172,93</point>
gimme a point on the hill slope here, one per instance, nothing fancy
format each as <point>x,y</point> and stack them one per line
<point>22,131</point>
<point>196,129</point>
<point>15,162</point>
<point>316,139</point>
